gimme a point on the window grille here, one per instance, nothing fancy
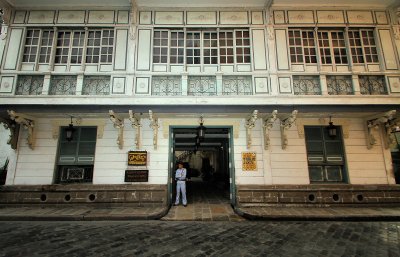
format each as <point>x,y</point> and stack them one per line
<point>193,48</point>
<point>202,86</point>
<point>236,85</point>
<point>62,85</point>
<point>96,85</point>
<point>166,86</point>
<point>29,85</point>
<point>242,46</point>
<point>210,47</point>
<point>373,85</point>
<point>340,85</point>
<point>306,85</point>
<point>46,45</point>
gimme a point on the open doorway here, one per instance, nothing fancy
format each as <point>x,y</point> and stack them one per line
<point>207,162</point>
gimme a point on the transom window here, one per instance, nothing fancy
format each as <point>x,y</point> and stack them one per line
<point>201,47</point>
<point>70,46</point>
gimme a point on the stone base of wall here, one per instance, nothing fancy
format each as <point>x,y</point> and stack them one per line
<point>105,195</point>
<point>317,195</point>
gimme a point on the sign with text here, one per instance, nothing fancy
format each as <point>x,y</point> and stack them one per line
<point>249,161</point>
<point>136,175</point>
<point>137,158</point>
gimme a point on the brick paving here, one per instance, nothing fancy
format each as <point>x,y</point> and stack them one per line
<point>183,238</point>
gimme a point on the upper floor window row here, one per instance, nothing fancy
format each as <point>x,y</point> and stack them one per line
<point>71,46</point>
<point>332,46</point>
<point>201,47</point>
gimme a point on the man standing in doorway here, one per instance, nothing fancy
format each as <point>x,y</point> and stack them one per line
<point>180,177</point>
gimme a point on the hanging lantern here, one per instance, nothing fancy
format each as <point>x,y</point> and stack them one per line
<point>201,130</point>
<point>69,132</point>
<point>332,129</point>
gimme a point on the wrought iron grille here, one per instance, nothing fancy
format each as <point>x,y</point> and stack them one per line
<point>96,85</point>
<point>29,85</point>
<point>372,85</point>
<point>166,86</point>
<point>62,85</point>
<point>202,86</point>
<point>236,85</point>
<point>306,85</point>
<point>339,85</point>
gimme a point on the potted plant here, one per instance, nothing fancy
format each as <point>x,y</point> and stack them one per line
<point>3,172</point>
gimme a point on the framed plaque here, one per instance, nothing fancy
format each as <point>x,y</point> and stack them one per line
<point>249,161</point>
<point>136,176</point>
<point>137,158</point>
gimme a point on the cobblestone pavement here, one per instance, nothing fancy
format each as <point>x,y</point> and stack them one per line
<point>171,238</point>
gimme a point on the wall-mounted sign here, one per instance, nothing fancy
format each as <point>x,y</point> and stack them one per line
<point>137,158</point>
<point>136,175</point>
<point>249,161</point>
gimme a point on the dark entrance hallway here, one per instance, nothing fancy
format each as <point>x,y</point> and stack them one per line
<point>208,186</point>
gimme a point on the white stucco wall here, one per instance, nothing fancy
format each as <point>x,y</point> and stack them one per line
<point>5,149</point>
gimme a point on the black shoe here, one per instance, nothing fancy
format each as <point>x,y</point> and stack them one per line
<point>185,205</point>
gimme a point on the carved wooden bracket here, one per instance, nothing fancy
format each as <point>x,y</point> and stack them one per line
<point>136,125</point>
<point>375,122</point>
<point>14,132</point>
<point>6,13</point>
<point>268,124</point>
<point>250,124</point>
<point>28,124</point>
<point>154,125</point>
<point>390,126</point>
<point>118,124</point>
<point>286,123</point>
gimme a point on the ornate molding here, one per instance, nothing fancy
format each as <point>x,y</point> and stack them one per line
<point>268,124</point>
<point>136,125</point>
<point>118,124</point>
<point>385,121</point>
<point>250,124</point>
<point>286,124</point>
<point>301,122</point>
<point>134,21</point>
<point>154,126</point>
<point>27,122</point>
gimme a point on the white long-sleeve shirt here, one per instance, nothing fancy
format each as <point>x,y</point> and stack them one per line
<point>180,174</point>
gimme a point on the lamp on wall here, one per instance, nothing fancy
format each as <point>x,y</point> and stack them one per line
<point>332,129</point>
<point>69,131</point>
<point>201,130</point>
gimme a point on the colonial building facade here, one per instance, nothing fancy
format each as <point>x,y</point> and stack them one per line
<point>283,103</point>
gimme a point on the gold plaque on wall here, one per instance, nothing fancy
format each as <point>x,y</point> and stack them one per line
<point>249,161</point>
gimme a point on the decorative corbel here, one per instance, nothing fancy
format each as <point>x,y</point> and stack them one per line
<point>28,124</point>
<point>250,124</point>
<point>388,129</point>
<point>154,125</point>
<point>374,122</point>
<point>268,124</point>
<point>286,124</point>
<point>136,125</point>
<point>6,15</point>
<point>14,131</point>
<point>118,124</point>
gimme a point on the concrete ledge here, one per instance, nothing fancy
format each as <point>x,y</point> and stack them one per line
<point>320,214</point>
<point>81,213</point>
